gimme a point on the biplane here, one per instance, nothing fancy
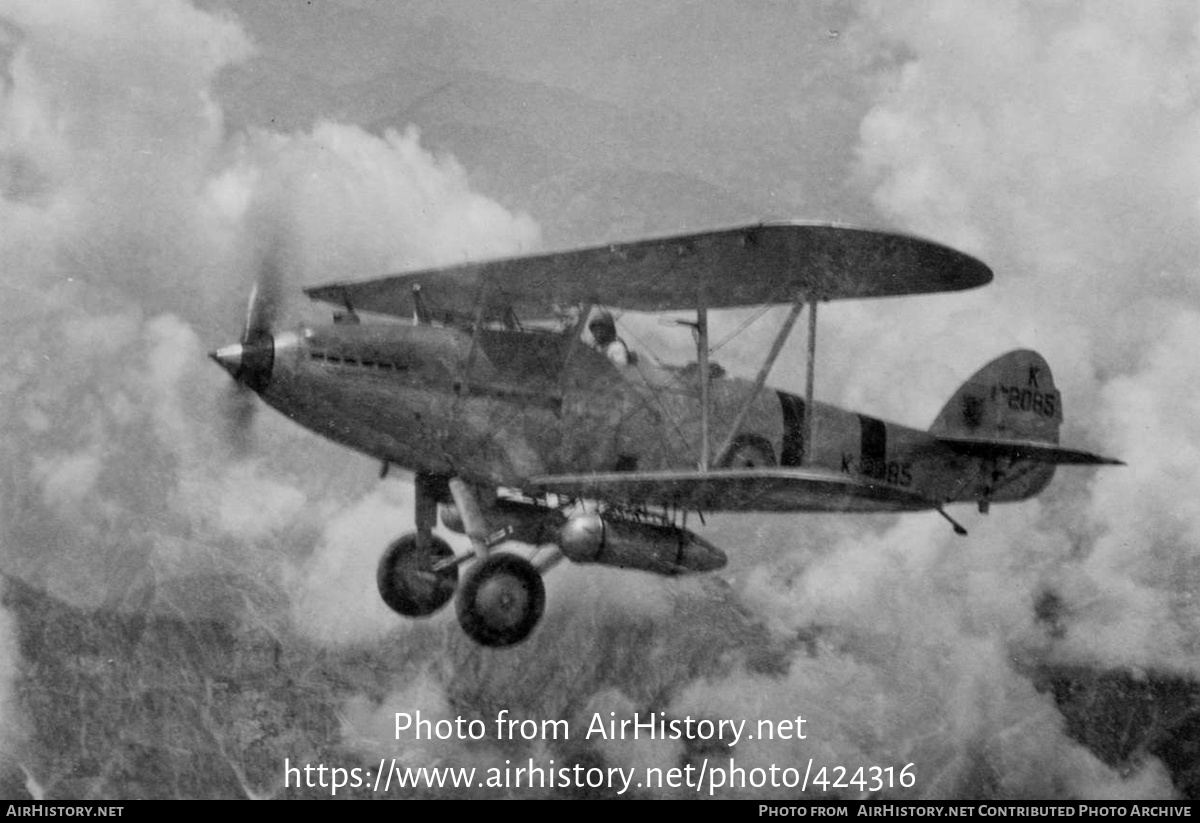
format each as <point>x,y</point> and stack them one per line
<point>480,380</point>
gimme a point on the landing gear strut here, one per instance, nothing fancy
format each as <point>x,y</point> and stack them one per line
<point>502,597</point>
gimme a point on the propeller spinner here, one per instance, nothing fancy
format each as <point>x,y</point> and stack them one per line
<point>250,361</point>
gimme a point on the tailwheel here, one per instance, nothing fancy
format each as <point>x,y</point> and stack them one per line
<point>501,600</point>
<point>416,576</point>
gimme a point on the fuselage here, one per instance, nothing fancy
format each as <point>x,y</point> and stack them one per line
<point>514,405</point>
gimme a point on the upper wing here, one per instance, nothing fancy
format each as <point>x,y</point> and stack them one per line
<point>759,489</point>
<point>743,266</point>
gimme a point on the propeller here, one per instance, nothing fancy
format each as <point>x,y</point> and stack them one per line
<point>266,297</point>
<point>237,409</point>
<point>250,360</point>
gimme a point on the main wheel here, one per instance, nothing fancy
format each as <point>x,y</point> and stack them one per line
<point>501,600</point>
<point>414,578</point>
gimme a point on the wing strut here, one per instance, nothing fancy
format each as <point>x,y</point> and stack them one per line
<point>574,342</point>
<point>421,316</point>
<point>809,411</point>
<point>705,379</point>
<point>476,331</point>
<point>776,347</point>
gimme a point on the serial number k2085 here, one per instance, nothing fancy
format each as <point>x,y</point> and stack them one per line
<point>891,472</point>
<point>1039,402</point>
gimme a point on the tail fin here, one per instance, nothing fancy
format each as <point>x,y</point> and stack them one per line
<point>1011,398</point>
<point>1009,409</point>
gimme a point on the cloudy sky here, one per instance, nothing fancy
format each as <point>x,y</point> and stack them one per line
<point>152,153</point>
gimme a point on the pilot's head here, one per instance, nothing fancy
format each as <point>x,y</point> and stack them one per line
<point>603,328</point>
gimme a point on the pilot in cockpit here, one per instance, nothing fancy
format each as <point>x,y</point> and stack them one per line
<point>605,339</point>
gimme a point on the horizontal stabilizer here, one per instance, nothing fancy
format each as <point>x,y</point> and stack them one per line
<point>1025,450</point>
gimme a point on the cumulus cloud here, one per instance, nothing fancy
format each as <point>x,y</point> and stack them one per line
<point>147,205</point>
<point>1056,143</point>
<point>1052,142</point>
<point>134,224</point>
<point>920,648</point>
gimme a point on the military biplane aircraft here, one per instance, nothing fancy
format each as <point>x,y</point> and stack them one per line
<point>602,463</point>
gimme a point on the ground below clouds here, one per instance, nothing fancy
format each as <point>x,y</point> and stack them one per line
<point>127,706</point>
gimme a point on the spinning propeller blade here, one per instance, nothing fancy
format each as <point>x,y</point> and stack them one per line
<point>266,296</point>
<point>250,361</point>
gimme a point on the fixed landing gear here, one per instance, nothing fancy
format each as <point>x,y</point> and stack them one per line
<point>502,597</point>
<point>418,573</point>
<point>416,576</point>
<point>501,601</point>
